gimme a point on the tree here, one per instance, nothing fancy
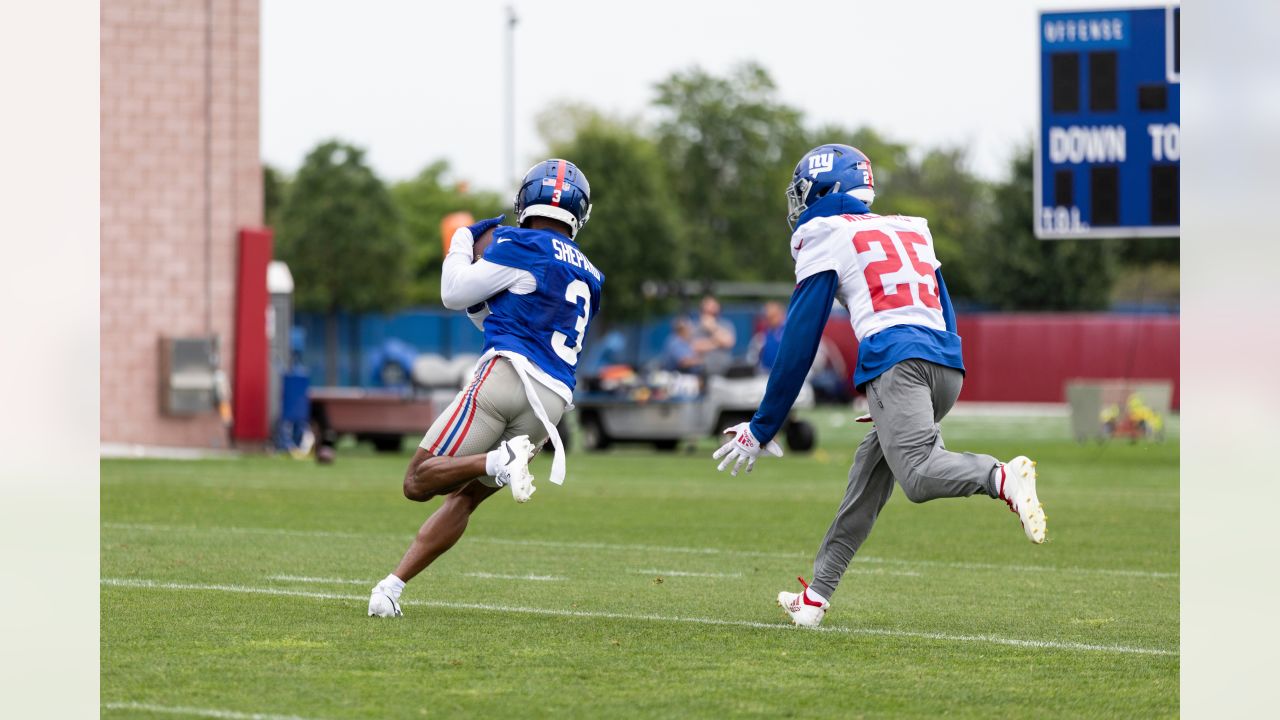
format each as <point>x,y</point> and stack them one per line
<point>274,187</point>
<point>1149,272</point>
<point>634,234</point>
<point>729,146</point>
<point>957,204</point>
<point>1019,272</point>
<point>423,203</point>
<point>342,238</point>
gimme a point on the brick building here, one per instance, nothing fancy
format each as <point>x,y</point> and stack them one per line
<point>180,175</point>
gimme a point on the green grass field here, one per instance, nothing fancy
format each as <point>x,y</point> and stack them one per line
<point>237,589</point>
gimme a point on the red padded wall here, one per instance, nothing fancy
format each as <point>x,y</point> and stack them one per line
<point>1029,357</point>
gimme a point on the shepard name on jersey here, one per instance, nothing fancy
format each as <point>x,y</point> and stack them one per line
<point>548,325</point>
<point>568,252</point>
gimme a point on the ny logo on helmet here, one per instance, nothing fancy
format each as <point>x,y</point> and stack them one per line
<point>821,163</point>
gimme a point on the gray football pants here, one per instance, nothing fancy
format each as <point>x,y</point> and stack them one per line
<point>492,409</point>
<point>907,402</point>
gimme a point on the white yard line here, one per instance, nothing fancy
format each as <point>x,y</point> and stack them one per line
<point>1018,568</point>
<point>500,576</point>
<point>883,632</point>
<point>494,576</point>
<point>683,573</point>
<point>553,578</point>
<point>1116,572</point>
<point>322,581</point>
<point>854,568</point>
<point>196,712</point>
<point>371,583</point>
<point>674,549</point>
<point>231,530</point>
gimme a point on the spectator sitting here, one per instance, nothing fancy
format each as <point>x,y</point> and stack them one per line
<point>679,354</point>
<point>763,350</point>
<point>714,337</point>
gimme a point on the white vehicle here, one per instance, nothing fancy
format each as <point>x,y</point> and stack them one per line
<point>607,419</point>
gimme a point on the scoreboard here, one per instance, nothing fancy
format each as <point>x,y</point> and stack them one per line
<point>1107,153</point>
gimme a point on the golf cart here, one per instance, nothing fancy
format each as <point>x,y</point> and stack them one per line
<point>665,409</point>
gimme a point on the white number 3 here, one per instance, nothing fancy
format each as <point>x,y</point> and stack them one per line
<point>577,290</point>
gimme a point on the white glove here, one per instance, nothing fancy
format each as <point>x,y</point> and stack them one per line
<point>743,447</point>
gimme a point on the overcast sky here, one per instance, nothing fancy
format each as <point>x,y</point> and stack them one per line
<point>415,81</point>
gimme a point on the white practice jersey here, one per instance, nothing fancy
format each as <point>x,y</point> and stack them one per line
<point>885,265</point>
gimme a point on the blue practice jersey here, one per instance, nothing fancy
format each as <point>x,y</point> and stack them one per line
<point>548,325</point>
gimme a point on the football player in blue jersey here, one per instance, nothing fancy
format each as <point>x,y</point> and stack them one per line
<point>534,294</point>
<point>883,269</point>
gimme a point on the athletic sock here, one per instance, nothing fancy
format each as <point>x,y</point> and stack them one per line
<point>392,585</point>
<point>996,474</point>
<point>494,460</point>
<point>814,597</point>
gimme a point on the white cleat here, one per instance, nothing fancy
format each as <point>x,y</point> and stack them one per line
<point>1017,487</point>
<point>515,469</point>
<point>381,604</point>
<point>801,609</point>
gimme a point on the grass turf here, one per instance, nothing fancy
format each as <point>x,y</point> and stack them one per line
<point>239,587</point>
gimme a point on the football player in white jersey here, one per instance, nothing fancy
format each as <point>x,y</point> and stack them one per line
<point>884,271</point>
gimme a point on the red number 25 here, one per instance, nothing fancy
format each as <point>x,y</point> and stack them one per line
<point>892,263</point>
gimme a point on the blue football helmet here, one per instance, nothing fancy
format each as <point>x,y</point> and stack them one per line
<point>826,169</point>
<point>555,189</point>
